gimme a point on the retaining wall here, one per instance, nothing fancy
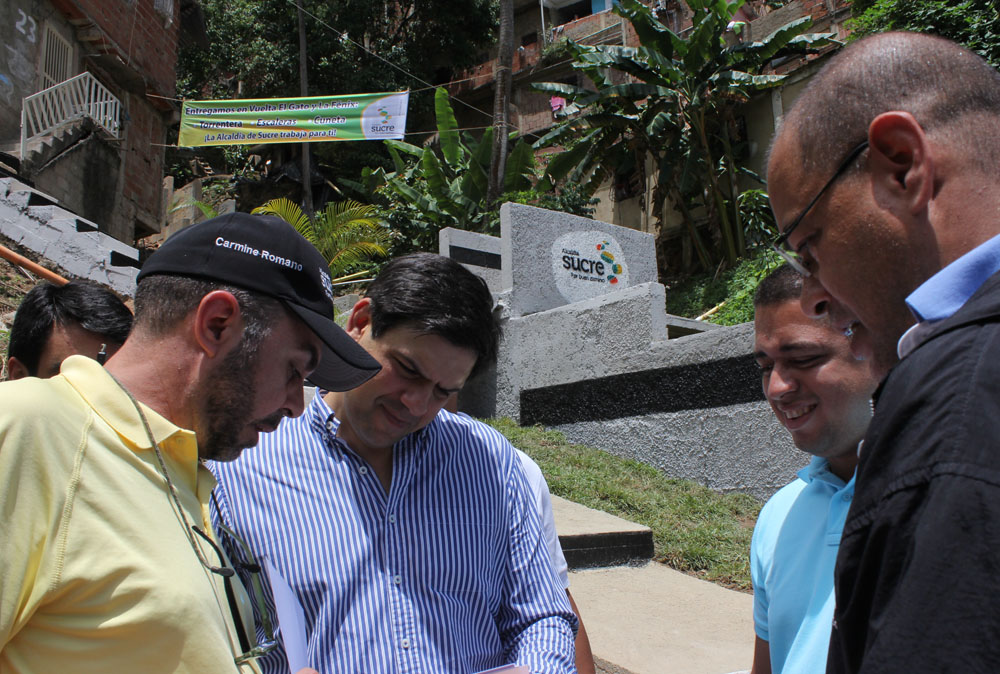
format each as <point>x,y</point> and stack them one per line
<point>603,371</point>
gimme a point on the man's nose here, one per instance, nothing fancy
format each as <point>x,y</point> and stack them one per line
<point>416,399</point>
<point>815,299</point>
<point>294,399</point>
<point>780,382</point>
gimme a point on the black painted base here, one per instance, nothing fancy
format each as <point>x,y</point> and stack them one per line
<point>611,549</point>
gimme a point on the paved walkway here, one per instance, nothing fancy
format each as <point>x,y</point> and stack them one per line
<point>654,620</point>
<point>650,619</point>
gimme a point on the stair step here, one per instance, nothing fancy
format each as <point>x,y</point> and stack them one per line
<point>591,538</point>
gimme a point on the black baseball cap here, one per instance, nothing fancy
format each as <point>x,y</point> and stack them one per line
<point>265,254</point>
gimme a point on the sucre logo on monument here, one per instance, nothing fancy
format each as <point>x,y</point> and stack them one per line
<point>588,264</point>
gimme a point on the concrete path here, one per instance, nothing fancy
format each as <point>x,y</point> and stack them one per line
<point>654,620</point>
<point>650,619</point>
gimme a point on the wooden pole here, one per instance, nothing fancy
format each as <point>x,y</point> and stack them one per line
<point>21,261</point>
<point>307,196</point>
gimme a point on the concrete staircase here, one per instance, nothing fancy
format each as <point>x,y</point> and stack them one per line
<point>34,220</point>
<point>44,149</point>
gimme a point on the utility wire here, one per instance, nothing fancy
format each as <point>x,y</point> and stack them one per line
<point>346,38</point>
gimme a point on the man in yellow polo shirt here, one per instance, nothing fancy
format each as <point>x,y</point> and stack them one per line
<point>108,561</point>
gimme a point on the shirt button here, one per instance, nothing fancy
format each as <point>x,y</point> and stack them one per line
<point>329,425</point>
<point>392,518</point>
<point>405,643</point>
<point>847,497</point>
<point>397,579</point>
<point>363,470</point>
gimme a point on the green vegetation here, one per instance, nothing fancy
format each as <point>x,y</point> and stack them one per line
<point>973,23</point>
<point>446,184</point>
<point>676,100</point>
<point>698,293</point>
<point>695,529</point>
<point>349,234</point>
<point>253,52</point>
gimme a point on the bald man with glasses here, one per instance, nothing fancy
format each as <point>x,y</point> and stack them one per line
<point>883,181</point>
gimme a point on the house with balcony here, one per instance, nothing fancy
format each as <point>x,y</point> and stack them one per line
<point>86,90</point>
<point>540,25</point>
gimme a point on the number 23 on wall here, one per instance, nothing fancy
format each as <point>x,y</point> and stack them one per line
<point>26,25</point>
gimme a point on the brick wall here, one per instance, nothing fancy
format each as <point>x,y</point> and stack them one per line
<point>131,46</point>
<point>140,35</point>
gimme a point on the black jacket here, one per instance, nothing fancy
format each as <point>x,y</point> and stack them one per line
<point>918,572</point>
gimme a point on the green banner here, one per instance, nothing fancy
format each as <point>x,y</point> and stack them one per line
<point>294,120</point>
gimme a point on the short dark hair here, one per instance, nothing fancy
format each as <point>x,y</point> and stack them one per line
<point>946,88</point>
<point>162,301</point>
<point>90,305</point>
<point>781,285</point>
<point>435,295</point>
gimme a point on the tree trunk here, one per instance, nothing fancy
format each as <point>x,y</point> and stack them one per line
<point>501,101</point>
<point>729,244</point>
<point>734,190</point>
<point>307,197</point>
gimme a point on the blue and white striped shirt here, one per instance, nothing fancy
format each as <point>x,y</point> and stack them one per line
<point>448,573</point>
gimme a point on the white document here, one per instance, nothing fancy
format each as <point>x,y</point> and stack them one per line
<point>291,619</point>
<point>507,669</point>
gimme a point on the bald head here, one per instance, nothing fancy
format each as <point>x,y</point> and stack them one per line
<point>953,93</point>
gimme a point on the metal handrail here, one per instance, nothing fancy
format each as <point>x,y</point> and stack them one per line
<point>80,96</point>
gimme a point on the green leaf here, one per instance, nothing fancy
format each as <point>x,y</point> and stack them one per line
<point>447,125</point>
<point>290,212</point>
<point>482,154</point>
<point>567,90</point>
<point>397,161</point>
<point>569,160</point>
<point>520,169</point>
<point>409,149</point>
<point>651,32</point>
<point>431,171</point>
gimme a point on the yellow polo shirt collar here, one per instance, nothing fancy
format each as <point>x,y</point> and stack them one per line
<point>108,401</point>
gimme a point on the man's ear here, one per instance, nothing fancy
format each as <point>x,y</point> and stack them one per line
<point>16,369</point>
<point>360,319</point>
<point>217,323</point>
<point>901,162</point>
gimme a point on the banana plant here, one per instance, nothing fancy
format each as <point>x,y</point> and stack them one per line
<point>673,100</point>
<point>445,184</point>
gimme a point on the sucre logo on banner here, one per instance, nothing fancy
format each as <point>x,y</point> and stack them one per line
<point>379,119</point>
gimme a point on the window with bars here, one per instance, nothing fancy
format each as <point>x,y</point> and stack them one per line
<point>57,59</point>
<point>165,7</point>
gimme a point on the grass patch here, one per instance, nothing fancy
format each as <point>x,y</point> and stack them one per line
<point>694,295</point>
<point>695,529</point>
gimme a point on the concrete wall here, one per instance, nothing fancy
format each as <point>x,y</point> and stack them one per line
<point>550,259</point>
<point>603,371</point>
<point>30,220</point>
<point>691,407</point>
<point>87,179</point>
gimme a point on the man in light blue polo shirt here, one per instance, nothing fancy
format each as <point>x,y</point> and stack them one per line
<point>820,393</point>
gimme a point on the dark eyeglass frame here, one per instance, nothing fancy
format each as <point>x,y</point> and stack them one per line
<point>780,244</point>
<point>247,634</point>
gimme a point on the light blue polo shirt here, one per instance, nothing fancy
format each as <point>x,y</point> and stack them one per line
<point>792,555</point>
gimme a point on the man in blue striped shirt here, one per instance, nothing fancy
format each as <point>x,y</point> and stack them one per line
<point>408,534</point>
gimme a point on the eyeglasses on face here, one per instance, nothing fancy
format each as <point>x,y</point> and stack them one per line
<point>246,631</point>
<point>780,244</point>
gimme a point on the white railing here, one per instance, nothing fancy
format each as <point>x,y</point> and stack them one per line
<point>80,96</point>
